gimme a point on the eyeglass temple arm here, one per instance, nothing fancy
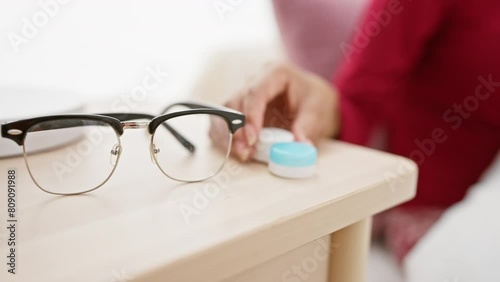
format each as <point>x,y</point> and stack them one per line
<point>131,116</point>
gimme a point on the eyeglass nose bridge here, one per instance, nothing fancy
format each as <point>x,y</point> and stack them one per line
<point>135,124</point>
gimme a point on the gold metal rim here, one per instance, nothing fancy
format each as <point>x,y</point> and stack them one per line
<point>75,193</point>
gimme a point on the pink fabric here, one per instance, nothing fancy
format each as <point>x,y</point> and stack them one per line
<point>402,228</point>
<point>313,30</point>
<point>428,58</point>
<point>431,76</point>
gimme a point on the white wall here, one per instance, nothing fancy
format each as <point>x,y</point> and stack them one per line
<point>102,48</point>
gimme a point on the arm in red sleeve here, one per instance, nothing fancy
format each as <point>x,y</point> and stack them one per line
<point>387,45</point>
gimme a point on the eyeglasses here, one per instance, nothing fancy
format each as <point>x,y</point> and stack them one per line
<point>181,145</point>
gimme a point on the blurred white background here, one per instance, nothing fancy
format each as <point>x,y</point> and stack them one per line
<point>102,48</point>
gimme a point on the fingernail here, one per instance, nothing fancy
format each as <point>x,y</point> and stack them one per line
<point>309,142</point>
<point>242,151</point>
<point>239,147</point>
<point>301,137</point>
<point>251,135</point>
<point>245,154</point>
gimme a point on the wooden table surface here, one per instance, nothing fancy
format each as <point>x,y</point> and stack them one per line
<point>142,226</point>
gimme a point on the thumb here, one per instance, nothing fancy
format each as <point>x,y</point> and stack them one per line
<point>255,103</point>
<point>304,124</point>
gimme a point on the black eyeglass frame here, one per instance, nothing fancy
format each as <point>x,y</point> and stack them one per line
<point>18,130</point>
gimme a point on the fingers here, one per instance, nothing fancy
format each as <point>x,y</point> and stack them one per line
<point>239,147</point>
<point>303,127</point>
<point>317,115</point>
<point>255,103</point>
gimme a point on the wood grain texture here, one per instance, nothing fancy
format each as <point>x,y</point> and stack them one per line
<point>134,226</point>
<point>350,247</point>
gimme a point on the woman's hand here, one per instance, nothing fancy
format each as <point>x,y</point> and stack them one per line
<point>286,97</point>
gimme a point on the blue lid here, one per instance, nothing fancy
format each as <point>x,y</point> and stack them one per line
<point>293,154</point>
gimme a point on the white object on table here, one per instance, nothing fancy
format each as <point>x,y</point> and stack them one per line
<point>267,137</point>
<point>293,160</point>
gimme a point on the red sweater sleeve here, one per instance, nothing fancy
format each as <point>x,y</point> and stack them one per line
<point>387,45</point>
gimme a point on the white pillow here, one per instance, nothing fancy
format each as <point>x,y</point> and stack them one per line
<point>464,245</point>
